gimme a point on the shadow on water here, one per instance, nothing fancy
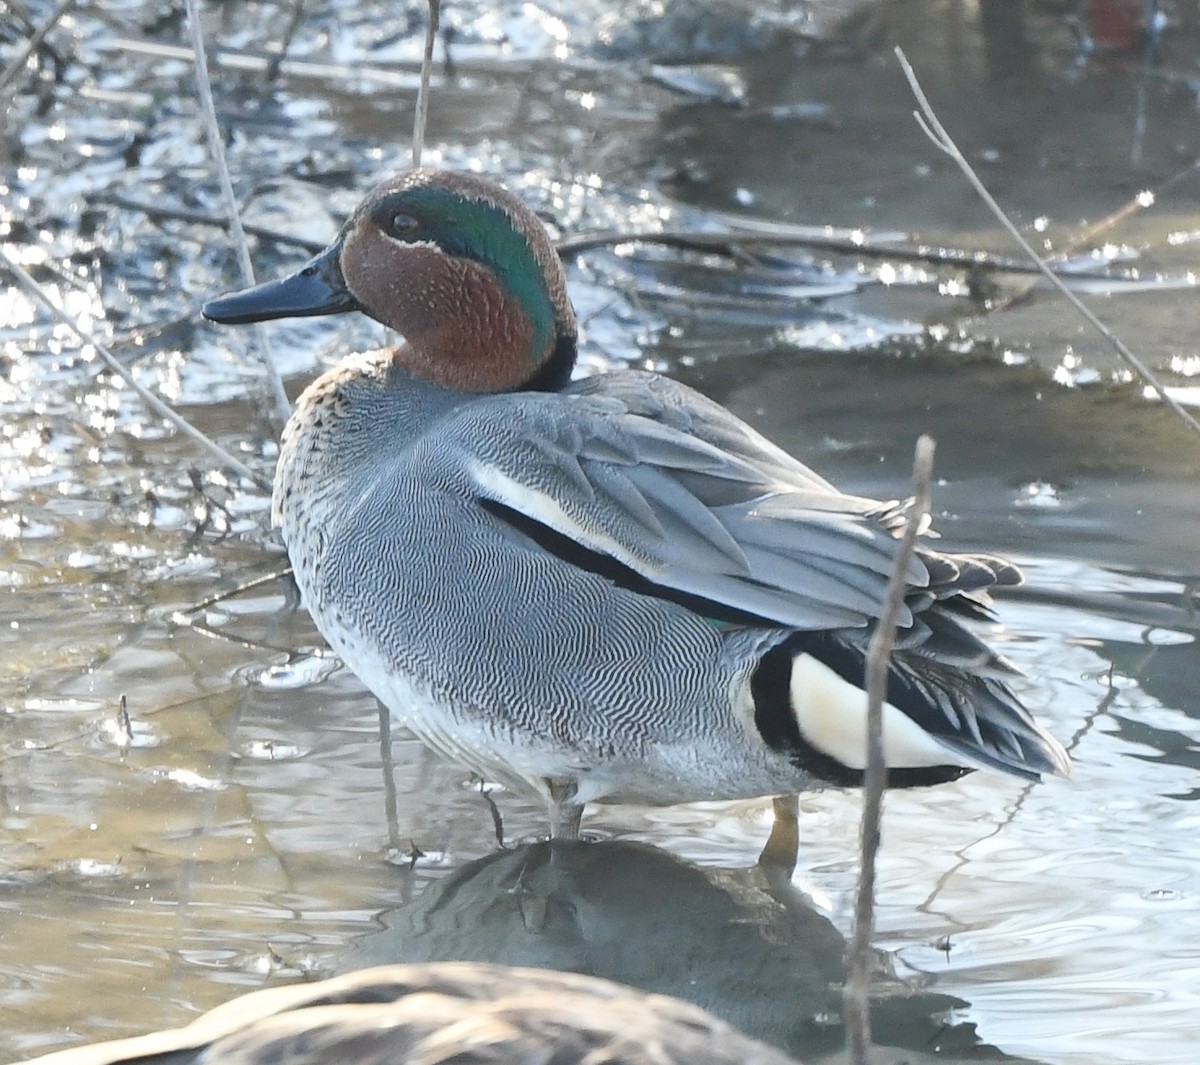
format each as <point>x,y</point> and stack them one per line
<point>745,944</point>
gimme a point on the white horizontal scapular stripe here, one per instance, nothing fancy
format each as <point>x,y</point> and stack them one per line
<point>546,510</point>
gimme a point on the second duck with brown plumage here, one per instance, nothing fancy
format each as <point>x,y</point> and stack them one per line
<point>609,589</point>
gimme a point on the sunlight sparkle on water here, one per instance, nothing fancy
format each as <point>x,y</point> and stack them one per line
<point>193,781</point>
<point>1038,494</point>
<point>1185,365</point>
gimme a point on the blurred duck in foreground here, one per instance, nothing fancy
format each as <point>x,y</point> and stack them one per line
<point>602,590</point>
<point>463,1013</point>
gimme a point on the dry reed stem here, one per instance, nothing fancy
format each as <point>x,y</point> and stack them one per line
<point>336,73</point>
<point>208,112</point>
<point>160,212</point>
<point>859,952</point>
<point>929,122</point>
<point>419,120</point>
<point>113,363</point>
<point>241,589</point>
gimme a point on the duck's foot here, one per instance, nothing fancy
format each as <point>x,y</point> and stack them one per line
<point>565,813</point>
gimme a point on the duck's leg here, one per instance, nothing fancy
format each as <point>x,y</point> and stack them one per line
<point>565,813</point>
<point>497,820</point>
<point>783,845</point>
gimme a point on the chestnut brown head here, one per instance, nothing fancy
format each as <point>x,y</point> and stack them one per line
<point>463,270</point>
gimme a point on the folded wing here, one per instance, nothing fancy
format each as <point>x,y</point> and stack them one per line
<point>640,473</point>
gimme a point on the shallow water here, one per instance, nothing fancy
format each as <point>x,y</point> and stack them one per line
<point>234,833</point>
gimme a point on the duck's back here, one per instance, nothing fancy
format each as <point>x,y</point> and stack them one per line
<point>585,583</point>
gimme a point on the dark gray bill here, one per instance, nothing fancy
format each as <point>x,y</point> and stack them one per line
<point>316,288</point>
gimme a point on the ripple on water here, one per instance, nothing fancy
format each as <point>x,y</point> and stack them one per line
<point>127,733</point>
<point>1058,923</point>
<point>1068,911</point>
<point>271,750</point>
<point>298,671</point>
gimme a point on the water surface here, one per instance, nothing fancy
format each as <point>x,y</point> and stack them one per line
<point>232,832</point>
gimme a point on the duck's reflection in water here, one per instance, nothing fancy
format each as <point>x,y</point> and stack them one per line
<point>745,944</point>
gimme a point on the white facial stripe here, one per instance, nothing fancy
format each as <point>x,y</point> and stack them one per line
<point>432,244</point>
<point>832,716</point>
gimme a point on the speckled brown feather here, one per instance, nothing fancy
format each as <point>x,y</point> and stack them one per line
<point>468,1013</point>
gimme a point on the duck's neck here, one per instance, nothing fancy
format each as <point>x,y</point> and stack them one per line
<point>462,357</point>
<point>467,326</point>
<point>555,371</point>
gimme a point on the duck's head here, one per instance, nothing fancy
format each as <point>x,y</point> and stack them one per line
<point>459,267</point>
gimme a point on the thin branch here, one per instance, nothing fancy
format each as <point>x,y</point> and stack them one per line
<point>221,635</point>
<point>398,75</point>
<point>729,241</point>
<point>1139,202</point>
<point>285,43</point>
<point>22,57</point>
<point>204,218</point>
<point>431,28</point>
<point>241,589</point>
<point>931,124</point>
<point>208,111</point>
<point>858,982</point>
<point>149,398</point>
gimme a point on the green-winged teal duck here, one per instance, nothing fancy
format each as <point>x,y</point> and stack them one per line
<point>609,589</point>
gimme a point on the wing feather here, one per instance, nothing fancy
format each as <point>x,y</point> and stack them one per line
<point>645,471</point>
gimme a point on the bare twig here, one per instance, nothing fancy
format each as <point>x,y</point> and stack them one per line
<point>203,218</point>
<point>209,112</point>
<point>857,998</point>
<point>285,42</point>
<point>241,589</point>
<point>1139,202</point>
<point>23,54</point>
<point>931,124</point>
<point>337,73</point>
<point>431,28</point>
<point>149,398</point>
<point>730,241</point>
<point>222,636</point>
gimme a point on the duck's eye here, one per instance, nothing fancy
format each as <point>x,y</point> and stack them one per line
<point>403,225</point>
